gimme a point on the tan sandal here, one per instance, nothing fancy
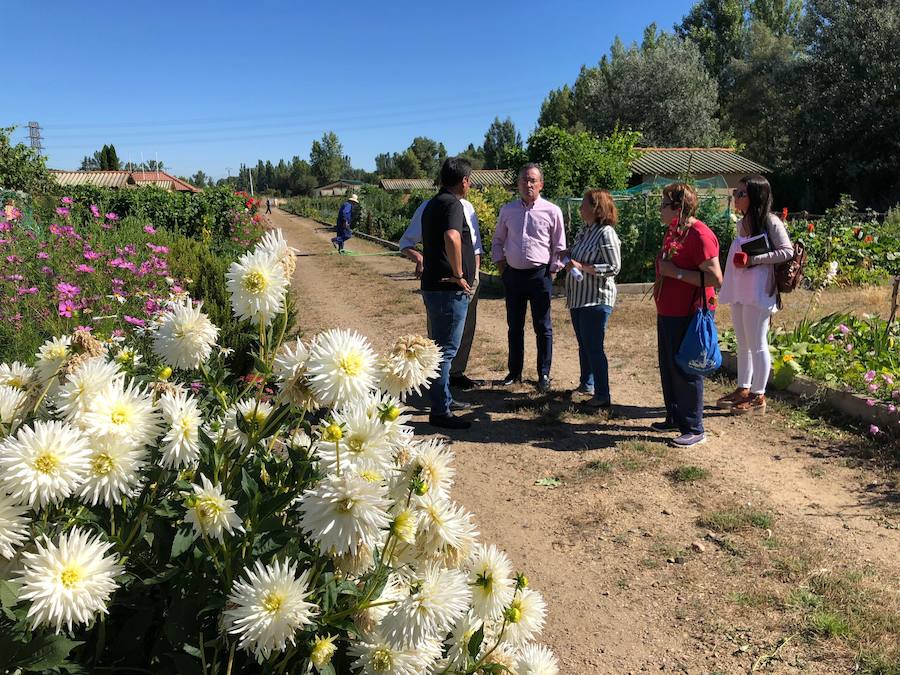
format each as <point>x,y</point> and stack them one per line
<point>728,401</point>
<point>753,404</point>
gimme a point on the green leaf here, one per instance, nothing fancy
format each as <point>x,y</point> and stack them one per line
<point>275,421</point>
<point>548,482</point>
<point>44,652</point>
<point>249,486</point>
<point>182,541</point>
<point>475,643</point>
<point>8,595</point>
<point>327,669</point>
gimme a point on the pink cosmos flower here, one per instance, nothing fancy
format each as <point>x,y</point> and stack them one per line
<point>869,376</point>
<point>91,255</point>
<point>43,255</point>
<point>95,211</point>
<point>28,291</point>
<point>196,386</point>
<point>149,229</point>
<point>85,269</point>
<point>15,277</point>
<point>112,216</point>
<point>47,270</point>
<point>158,250</point>
<point>66,308</point>
<point>68,201</point>
<point>874,430</point>
<point>5,227</point>
<point>849,347</point>
<point>62,211</point>
<point>13,259</point>
<point>873,387</point>
<point>844,329</point>
<point>86,329</point>
<point>892,408</point>
<point>888,379</point>
<point>870,403</point>
<point>134,321</point>
<point>67,290</point>
<point>118,332</point>
<point>177,289</point>
<point>15,214</point>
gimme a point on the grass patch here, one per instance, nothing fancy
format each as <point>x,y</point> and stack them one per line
<point>688,474</point>
<point>752,598</point>
<point>638,455</point>
<point>598,466</point>
<point>735,519</point>
<point>827,624</point>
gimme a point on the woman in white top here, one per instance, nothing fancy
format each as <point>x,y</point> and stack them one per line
<point>749,287</point>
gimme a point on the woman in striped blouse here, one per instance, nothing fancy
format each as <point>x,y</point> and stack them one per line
<point>590,299</point>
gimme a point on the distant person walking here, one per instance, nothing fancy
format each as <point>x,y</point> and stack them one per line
<point>687,269</point>
<point>413,236</point>
<point>749,287</point>
<point>528,239</point>
<point>448,272</point>
<point>348,215</point>
<point>268,207</point>
<point>596,256</point>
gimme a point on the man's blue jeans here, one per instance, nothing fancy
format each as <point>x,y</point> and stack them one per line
<point>447,317</point>
<point>590,331</point>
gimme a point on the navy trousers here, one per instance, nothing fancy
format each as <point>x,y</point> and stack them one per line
<point>523,287</point>
<point>682,393</point>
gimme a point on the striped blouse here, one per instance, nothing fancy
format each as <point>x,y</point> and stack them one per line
<point>597,246</point>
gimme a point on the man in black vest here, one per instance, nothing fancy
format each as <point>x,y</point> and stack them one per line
<point>447,276</point>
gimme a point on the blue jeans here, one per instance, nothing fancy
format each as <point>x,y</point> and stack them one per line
<point>522,287</point>
<point>446,312</point>
<point>590,331</point>
<point>682,393</point>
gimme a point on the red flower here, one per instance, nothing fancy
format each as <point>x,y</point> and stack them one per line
<point>810,227</point>
<point>868,239</point>
<point>784,213</point>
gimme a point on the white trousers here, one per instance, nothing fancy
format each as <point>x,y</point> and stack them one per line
<point>751,327</point>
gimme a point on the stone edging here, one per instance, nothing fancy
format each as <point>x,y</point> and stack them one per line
<point>847,403</point>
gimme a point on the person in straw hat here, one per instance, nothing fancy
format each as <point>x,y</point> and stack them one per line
<point>348,215</point>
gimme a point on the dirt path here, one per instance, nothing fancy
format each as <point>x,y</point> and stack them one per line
<point>632,582</point>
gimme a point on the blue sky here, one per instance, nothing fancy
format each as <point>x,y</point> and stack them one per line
<point>206,85</point>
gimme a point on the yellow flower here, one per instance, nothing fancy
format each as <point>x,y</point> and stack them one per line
<point>787,358</point>
<point>322,651</point>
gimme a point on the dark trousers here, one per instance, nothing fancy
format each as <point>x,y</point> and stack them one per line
<point>523,287</point>
<point>682,393</point>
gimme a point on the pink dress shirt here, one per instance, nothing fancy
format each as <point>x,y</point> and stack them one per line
<point>528,237</point>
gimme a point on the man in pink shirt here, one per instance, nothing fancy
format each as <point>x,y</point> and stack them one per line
<point>528,240</point>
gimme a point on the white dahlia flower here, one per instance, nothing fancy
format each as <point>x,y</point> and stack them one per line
<point>457,642</point>
<point>446,532</point>
<point>125,413</point>
<point>83,385</point>
<point>185,336</point>
<point>431,468</point>
<point>363,447</point>
<point>343,513</point>
<point>376,656</point>
<point>290,369</point>
<point>535,659</point>
<point>115,472</point>
<point>409,365</point>
<point>270,607</point>
<point>367,620</point>
<point>525,617</point>
<point>210,513</point>
<point>394,415</point>
<point>181,444</point>
<point>50,358</point>
<point>252,413</point>
<point>16,375</point>
<point>274,244</point>
<point>13,403</point>
<point>13,525</point>
<point>492,581</point>
<point>257,285</point>
<point>341,367</point>
<point>69,581</point>
<point>44,463</point>
<point>438,598</point>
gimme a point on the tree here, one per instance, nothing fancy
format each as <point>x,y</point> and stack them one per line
<point>109,160</point>
<point>22,167</point>
<point>717,28</point>
<point>151,165</point>
<point>782,17</point>
<point>848,131</point>
<point>558,110</point>
<point>660,88</point>
<point>408,165</point>
<point>200,179</point>
<point>326,158</point>
<point>498,136</point>
<point>430,155</point>
<point>573,162</point>
<point>474,155</point>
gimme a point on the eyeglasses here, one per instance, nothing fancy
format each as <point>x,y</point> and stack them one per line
<point>737,194</point>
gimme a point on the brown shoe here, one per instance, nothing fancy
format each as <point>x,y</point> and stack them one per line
<point>726,402</point>
<point>753,404</point>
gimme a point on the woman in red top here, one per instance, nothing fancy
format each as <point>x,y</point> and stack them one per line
<point>687,266</point>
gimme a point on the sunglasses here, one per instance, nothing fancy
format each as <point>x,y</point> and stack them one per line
<point>737,194</point>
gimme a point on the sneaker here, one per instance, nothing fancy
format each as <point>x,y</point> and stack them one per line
<point>584,389</point>
<point>448,422</point>
<point>689,440</point>
<point>459,405</point>
<point>752,404</point>
<point>666,425</point>
<point>543,384</point>
<point>597,404</point>
<point>464,382</point>
<point>334,242</point>
<point>726,402</point>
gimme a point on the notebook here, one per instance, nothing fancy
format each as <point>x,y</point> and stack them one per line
<point>756,245</point>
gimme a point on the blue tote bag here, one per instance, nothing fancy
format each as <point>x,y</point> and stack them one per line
<point>699,351</point>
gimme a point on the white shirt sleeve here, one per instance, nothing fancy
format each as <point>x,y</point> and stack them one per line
<point>413,234</point>
<point>472,220</point>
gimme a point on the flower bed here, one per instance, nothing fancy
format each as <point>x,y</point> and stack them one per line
<point>173,516</point>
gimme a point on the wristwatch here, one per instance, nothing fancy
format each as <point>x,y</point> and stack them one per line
<point>680,275</point>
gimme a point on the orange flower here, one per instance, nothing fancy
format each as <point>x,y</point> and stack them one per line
<point>784,213</point>
<point>868,239</point>
<point>810,227</point>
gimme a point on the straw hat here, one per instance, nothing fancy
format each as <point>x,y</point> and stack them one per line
<point>354,198</point>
